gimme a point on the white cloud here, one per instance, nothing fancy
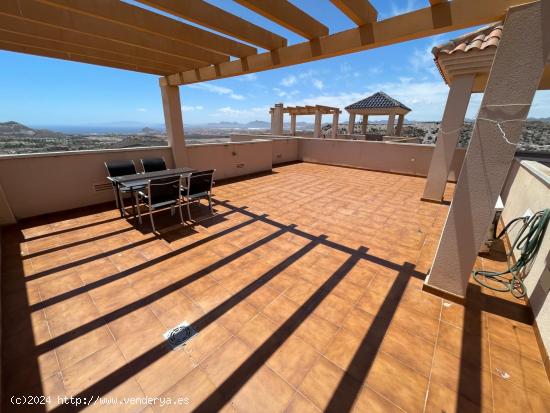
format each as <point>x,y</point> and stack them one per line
<point>246,113</point>
<point>220,90</point>
<point>289,81</point>
<point>318,84</point>
<point>191,108</point>
<point>141,110</point>
<point>249,77</point>
<point>396,10</point>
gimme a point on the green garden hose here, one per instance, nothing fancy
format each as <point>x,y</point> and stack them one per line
<point>528,241</point>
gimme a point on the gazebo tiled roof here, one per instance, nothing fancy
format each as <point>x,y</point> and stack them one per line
<point>378,101</point>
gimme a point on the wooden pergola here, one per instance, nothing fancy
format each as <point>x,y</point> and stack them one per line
<point>220,44</point>
<point>277,112</point>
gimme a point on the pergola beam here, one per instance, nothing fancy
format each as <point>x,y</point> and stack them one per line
<point>428,21</point>
<point>38,12</point>
<point>361,12</point>
<point>13,47</point>
<point>287,15</point>
<point>156,24</point>
<point>207,15</point>
<point>53,45</point>
<point>67,37</point>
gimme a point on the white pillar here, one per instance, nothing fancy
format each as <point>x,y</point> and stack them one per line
<point>173,120</point>
<point>335,116</point>
<point>317,127</point>
<point>514,78</point>
<point>453,119</point>
<point>364,124</point>
<point>391,122</point>
<point>293,124</point>
<point>277,119</point>
<point>399,128</point>
<point>351,123</point>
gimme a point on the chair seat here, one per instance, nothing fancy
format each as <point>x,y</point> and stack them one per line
<point>161,202</point>
<point>193,196</point>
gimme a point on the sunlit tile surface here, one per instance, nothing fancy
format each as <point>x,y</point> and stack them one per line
<point>305,291</point>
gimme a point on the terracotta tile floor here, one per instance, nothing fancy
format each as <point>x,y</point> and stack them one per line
<point>305,290</point>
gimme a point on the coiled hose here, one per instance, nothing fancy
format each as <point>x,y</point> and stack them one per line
<point>528,241</point>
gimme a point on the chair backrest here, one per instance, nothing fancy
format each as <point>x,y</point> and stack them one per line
<point>199,182</point>
<point>163,189</point>
<point>119,168</point>
<point>153,164</point>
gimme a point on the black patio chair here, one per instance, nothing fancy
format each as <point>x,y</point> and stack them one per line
<point>153,164</point>
<point>196,186</point>
<point>119,168</point>
<point>160,193</point>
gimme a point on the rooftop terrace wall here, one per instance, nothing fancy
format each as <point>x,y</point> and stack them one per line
<point>528,188</point>
<point>405,158</point>
<point>36,184</point>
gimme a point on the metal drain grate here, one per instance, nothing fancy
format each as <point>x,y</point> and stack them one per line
<point>179,335</point>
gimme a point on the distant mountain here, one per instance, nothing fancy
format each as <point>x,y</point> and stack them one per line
<point>15,128</point>
<point>150,131</point>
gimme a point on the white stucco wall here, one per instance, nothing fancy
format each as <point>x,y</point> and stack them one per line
<point>528,188</point>
<point>37,184</point>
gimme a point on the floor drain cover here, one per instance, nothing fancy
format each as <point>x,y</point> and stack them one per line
<point>179,335</point>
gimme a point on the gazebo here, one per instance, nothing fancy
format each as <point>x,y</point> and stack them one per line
<point>277,112</point>
<point>378,104</point>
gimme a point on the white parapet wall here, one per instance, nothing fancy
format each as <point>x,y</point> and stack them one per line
<point>36,184</point>
<point>405,158</point>
<point>284,148</point>
<point>233,158</point>
<point>528,189</point>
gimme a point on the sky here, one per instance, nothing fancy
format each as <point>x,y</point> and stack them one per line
<point>39,91</point>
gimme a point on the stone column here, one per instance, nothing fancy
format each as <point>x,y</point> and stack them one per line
<point>453,119</point>
<point>293,124</point>
<point>173,120</point>
<point>518,66</point>
<point>351,123</point>
<point>400,120</point>
<point>317,127</point>
<point>391,122</point>
<point>364,124</point>
<point>335,116</point>
<point>277,120</point>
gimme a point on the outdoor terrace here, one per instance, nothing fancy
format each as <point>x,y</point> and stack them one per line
<point>305,290</point>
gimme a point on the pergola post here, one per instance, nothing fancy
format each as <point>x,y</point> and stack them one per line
<point>400,120</point>
<point>513,80</point>
<point>335,117</point>
<point>447,138</point>
<point>293,124</point>
<point>173,119</point>
<point>317,127</point>
<point>277,119</point>
<point>391,122</point>
<point>351,123</point>
<point>364,123</point>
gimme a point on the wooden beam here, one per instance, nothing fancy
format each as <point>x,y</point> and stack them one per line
<point>205,14</point>
<point>87,52</point>
<point>149,22</point>
<point>287,15</point>
<point>14,47</point>
<point>41,31</point>
<point>65,19</point>
<point>359,11</point>
<point>414,25</point>
<point>436,2</point>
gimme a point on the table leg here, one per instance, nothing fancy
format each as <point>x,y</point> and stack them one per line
<point>132,196</point>
<point>119,201</point>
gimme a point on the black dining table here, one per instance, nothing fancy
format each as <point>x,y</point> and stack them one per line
<point>135,182</point>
